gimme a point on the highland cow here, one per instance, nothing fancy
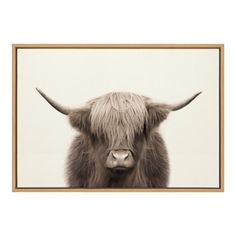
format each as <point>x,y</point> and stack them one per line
<point>118,144</point>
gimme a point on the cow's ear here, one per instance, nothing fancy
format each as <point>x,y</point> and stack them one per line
<point>80,119</point>
<point>159,112</point>
<point>156,114</point>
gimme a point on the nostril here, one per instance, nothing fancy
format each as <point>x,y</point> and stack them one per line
<point>113,156</point>
<point>120,156</point>
<point>126,157</point>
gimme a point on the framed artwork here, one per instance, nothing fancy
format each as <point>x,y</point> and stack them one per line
<point>118,117</point>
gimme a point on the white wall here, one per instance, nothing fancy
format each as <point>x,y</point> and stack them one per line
<point>73,76</point>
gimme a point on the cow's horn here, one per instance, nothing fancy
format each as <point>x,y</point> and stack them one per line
<point>184,103</point>
<point>57,106</point>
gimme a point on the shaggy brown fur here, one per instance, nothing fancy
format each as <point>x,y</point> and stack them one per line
<point>118,116</point>
<point>118,121</point>
<point>85,170</point>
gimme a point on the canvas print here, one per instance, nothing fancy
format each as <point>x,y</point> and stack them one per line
<point>118,117</point>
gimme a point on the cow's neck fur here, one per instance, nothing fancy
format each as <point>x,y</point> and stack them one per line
<point>134,178</point>
<point>85,169</point>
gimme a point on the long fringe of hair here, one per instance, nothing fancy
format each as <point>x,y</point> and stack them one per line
<point>118,116</point>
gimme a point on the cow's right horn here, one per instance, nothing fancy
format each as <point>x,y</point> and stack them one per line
<point>184,103</point>
<point>57,106</point>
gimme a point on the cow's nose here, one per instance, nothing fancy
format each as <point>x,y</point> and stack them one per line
<point>120,159</point>
<point>120,156</point>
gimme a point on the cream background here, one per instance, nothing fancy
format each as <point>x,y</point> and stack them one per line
<point>73,76</point>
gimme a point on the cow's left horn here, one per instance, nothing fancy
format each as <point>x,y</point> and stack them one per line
<point>183,104</point>
<point>57,106</point>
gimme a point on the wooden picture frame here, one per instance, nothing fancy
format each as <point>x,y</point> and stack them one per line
<point>219,48</point>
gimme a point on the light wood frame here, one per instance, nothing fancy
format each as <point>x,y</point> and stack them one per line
<point>15,188</point>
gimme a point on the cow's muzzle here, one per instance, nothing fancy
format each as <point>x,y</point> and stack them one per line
<point>120,160</point>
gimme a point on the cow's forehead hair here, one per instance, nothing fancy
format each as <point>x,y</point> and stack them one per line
<point>118,116</point>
